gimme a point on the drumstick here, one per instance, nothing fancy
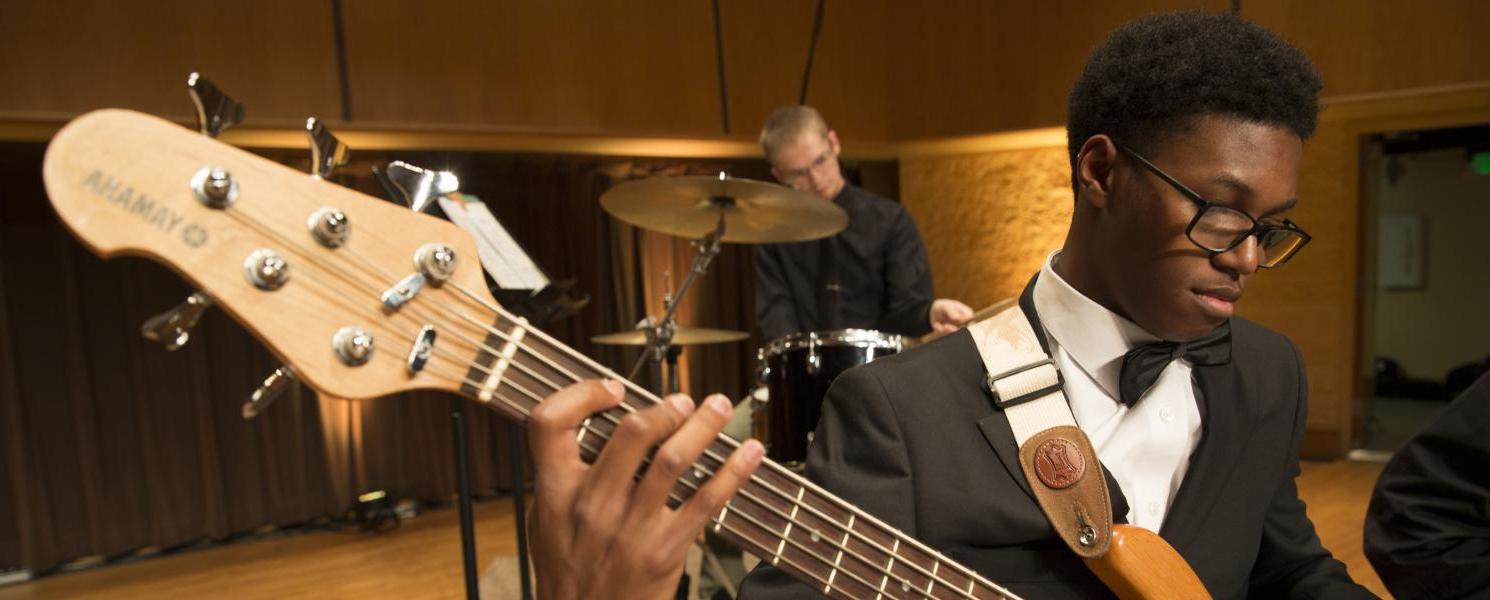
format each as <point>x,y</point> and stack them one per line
<point>985,313</point>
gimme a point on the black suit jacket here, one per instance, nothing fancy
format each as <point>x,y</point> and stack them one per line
<point>1428,526</point>
<point>915,440</point>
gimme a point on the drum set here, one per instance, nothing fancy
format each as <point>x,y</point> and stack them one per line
<point>794,371</point>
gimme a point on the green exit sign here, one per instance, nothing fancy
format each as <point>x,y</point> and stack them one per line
<point>1479,162</point>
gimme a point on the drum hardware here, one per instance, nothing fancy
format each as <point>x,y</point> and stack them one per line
<point>660,332</point>
<point>797,370</point>
<point>713,210</point>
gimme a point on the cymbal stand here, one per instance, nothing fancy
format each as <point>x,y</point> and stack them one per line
<point>660,331</point>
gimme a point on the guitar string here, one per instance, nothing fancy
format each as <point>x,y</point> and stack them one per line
<point>646,462</point>
<point>833,522</point>
<point>549,383</point>
<point>772,488</point>
<point>416,315</point>
<point>580,358</point>
<point>717,521</point>
<point>729,442</point>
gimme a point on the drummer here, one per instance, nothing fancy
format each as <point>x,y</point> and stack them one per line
<point>872,275</point>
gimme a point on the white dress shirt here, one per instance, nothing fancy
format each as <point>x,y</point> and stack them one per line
<point>1147,448</point>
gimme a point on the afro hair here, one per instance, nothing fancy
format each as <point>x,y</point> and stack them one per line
<point>1152,75</point>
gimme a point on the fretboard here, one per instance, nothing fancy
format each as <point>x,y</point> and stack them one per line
<point>777,515</point>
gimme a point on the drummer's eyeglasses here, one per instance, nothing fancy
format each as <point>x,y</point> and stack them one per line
<point>1219,228</point>
<point>796,176</point>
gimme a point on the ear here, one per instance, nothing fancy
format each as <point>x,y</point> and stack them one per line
<point>833,142</point>
<point>1094,168</point>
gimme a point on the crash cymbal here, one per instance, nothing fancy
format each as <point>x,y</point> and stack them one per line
<point>755,212</point>
<point>682,336</point>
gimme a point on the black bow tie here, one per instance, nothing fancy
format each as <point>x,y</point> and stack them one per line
<point>1143,364</point>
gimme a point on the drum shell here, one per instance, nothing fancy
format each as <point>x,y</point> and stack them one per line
<point>797,370</point>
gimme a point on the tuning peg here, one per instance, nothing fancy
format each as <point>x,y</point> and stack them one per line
<point>416,188</point>
<point>216,111</point>
<point>273,387</point>
<point>172,328</point>
<point>327,152</point>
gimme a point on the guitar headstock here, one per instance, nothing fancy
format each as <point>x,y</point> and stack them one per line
<point>263,241</point>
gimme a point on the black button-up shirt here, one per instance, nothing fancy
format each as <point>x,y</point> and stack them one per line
<point>872,275</point>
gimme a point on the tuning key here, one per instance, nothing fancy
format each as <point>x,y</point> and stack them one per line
<point>216,111</point>
<point>327,152</point>
<point>417,188</point>
<point>172,328</point>
<point>273,387</point>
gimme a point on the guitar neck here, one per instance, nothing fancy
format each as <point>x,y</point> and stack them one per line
<point>777,515</point>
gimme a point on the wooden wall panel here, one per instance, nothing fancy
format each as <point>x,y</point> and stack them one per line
<point>62,57</point>
<point>963,67</point>
<point>612,66</point>
<point>765,48</point>
<point>1384,45</point>
<point>604,65</point>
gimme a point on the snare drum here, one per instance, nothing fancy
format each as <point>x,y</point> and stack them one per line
<point>797,370</point>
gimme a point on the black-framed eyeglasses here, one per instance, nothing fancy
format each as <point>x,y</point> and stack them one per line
<point>1219,228</point>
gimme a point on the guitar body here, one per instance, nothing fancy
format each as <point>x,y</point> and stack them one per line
<point>1140,564</point>
<point>123,183</point>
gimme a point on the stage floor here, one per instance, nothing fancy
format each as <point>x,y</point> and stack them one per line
<point>421,559</point>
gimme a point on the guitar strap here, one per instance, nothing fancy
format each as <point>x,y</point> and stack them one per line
<point>1055,454</point>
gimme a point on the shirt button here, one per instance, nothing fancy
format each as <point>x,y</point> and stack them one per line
<point>1154,508</point>
<point>1165,414</point>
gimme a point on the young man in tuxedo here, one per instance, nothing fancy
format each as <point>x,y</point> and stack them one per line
<point>1186,131</point>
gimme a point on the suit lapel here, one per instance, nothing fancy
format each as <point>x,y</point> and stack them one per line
<point>1225,433</point>
<point>1000,437</point>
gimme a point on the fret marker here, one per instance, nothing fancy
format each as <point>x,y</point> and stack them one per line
<point>905,585</point>
<point>719,522</point>
<point>698,473</point>
<point>583,429</point>
<point>815,537</point>
<point>504,359</point>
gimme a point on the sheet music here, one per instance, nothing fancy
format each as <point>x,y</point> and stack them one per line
<point>502,258</point>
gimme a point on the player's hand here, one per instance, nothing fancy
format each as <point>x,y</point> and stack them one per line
<point>947,315</point>
<point>598,531</point>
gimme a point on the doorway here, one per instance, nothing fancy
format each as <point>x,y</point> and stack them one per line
<point>1425,277</point>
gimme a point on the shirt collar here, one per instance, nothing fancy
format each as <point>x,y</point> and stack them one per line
<point>1096,338</point>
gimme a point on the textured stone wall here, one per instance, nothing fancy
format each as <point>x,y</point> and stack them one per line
<point>988,219</point>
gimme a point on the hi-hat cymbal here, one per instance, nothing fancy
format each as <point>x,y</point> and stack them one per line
<point>682,336</point>
<point>755,212</point>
